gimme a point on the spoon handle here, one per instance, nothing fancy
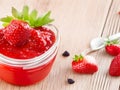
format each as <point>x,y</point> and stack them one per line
<point>113,37</point>
<point>88,51</point>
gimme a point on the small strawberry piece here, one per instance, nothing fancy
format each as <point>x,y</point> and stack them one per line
<point>85,64</point>
<point>17,33</point>
<point>37,42</point>
<point>113,47</point>
<point>114,69</point>
<point>113,50</point>
<point>41,39</point>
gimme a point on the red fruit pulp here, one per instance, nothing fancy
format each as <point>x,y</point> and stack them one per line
<point>38,43</point>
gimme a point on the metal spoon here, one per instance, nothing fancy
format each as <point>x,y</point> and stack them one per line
<point>98,43</point>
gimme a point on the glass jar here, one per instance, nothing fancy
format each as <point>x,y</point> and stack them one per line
<point>29,71</point>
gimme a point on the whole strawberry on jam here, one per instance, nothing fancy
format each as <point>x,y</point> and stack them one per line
<point>114,69</point>
<point>84,64</point>
<point>112,47</point>
<point>18,27</point>
<point>17,32</point>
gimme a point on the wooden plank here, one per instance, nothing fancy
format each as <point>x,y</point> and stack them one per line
<point>112,23</point>
<point>78,21</point>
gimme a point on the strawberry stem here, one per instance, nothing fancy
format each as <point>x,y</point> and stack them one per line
<point>109,42</point>
<point>78,57</point>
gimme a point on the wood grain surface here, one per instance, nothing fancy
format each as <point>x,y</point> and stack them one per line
<point>79,21</point>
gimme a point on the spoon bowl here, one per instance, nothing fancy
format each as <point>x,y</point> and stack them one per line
<point>97,43</point>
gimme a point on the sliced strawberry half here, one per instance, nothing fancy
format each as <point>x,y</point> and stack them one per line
<point>84,64</point>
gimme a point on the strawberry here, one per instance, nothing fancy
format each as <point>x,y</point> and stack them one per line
<point>84,64</point>
<point>112,47</point>
<point>37,42</point>
<point>17,32</point>
<point>17,26</point>
<point>114,69</point>
<point>42,39</point>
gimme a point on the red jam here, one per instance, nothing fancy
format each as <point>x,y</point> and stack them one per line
<point>39,42</point>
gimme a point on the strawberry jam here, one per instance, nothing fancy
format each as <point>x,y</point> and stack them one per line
<point>28,46</point>
<point>40,41</point>
<point>32,61</point>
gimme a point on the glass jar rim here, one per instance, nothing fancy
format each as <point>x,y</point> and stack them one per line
<point>16,62</point>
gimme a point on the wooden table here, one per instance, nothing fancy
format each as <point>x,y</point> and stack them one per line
<point>79,21</point>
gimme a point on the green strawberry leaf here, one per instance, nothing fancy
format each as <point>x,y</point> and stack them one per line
<point>76,58</point>
<point>45,19</point>
<point>25,12</point>
<point>33,15</point>
<point>5,24</point>
<point>31,18</point>
<point>117,41</point>
<point>6,19</point>
<point>109,42</point>
<point>15,13</point>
